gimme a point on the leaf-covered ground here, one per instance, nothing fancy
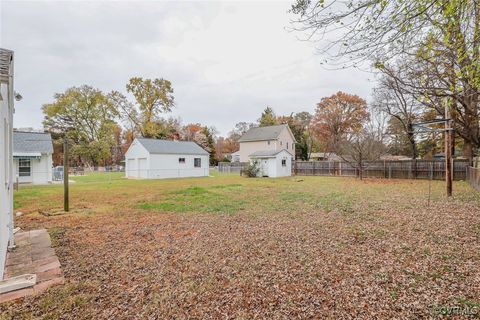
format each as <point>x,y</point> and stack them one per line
<point>231,247</point>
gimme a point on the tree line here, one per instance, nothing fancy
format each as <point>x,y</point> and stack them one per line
<point>425,54</point>
<point>101,126</point>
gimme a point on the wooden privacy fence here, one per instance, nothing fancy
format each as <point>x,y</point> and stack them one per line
<point>405,169</point>
<point>228,167</point>
<point>473,177</point>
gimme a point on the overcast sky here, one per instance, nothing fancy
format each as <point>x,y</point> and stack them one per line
<point>226,60</point>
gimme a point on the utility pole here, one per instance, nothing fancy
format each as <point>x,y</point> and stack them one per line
<point>448,130</point>
<point>448,150</point>
<point>65,175</point>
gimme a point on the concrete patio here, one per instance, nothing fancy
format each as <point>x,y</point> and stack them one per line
<point>34,256</point>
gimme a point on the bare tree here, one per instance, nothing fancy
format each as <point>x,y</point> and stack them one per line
<point>364,146</point>
<point>392,98</point>
<point>440,37</point>
<point>354,31</point>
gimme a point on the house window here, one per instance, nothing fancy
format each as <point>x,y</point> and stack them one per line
<point>268,142</point>
<point>197,162</point>
<point>24,168</point>
<point>284,162</point>
<point>181,160</point>
<point>280,142</point>
<point>287,145</point>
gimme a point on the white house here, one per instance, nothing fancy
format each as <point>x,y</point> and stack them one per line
<point>32,157</point>
<point>159,159</point>
<point>6,167</point>
<point>273,163</point>
<point>274,138</point>
<point>235,157</point>
<point>272,148</point>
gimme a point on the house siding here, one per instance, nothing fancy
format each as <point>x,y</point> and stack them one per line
<point>40,170</point>
<point>6,170</point>
<point>249,147</point>
<point>132,156</point>
<point>280,170</point>
<point>272,166</point>
<point>286,138</point>
<point>144,165</point>
<point>168,166</point>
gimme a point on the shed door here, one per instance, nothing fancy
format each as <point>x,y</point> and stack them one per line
<point>142,168</point>
<point>264,167</point>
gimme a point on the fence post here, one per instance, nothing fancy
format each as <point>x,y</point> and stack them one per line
<point>66,206</point>
<point>415,173</point>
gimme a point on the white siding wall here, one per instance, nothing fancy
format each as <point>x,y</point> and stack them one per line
<point>6,172</point>
<point>167,166</point>
<point>141,164</point>
<point>272,167</point>
<point>281,171</point>
<point>40,170</point>
<point>135,152</point>
<point>285,139</point>
<point>247,148</point>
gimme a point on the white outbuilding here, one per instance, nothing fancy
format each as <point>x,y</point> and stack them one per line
<point>160,159</point>
<point>273,163</point>
<point>32,157</point>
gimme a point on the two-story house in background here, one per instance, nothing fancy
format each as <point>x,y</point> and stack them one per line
<point>275,138</point>
<point>272,147</point>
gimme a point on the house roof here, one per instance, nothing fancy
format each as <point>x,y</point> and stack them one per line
<point>267,153</point>
<point>32,142</point>
<point>5,59</point>
<point>157,146</point>
<point>263,133</point>
<point>329,155</point>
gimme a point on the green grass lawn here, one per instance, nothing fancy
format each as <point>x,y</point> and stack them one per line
<point>229,193</point>
<point>226,246</point>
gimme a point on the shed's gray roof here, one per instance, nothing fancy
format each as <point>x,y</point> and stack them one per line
<point>157,146</point>
<point>25,142</point>
<point>263,133</point>
<point>5,59</point>
<point>267,153</point>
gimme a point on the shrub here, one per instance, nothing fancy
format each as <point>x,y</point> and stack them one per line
<point>251,170</point>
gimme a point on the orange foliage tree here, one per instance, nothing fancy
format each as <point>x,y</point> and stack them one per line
<point>337,117</point>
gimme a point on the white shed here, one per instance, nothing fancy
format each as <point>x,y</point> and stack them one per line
<point>159,159</point>
<point>273,163</point>
<point>6,171</point>
<point>32,157</point>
